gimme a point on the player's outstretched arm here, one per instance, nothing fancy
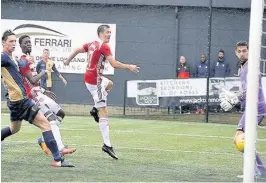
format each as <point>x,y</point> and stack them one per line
<point>73,54</point>
<point>119,65</point>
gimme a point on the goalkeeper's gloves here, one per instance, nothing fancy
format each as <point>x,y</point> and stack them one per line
<point>228,99</point>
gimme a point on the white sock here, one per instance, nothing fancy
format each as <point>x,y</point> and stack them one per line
<point>104,127</point>
<point>57,135</point>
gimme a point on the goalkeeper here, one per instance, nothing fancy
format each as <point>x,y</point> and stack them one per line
<point>230,99</point>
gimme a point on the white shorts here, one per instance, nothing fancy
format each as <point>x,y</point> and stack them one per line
<point>99,93</point>
<point>45,103</point>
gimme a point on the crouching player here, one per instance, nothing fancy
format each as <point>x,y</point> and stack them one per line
<point>51,110</point>
<point>229,100</point>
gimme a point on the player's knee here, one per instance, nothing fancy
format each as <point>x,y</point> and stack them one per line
<point>109,86</point>
<point>61,114</point>
<point>54,122</point>
<point>42,123</point>
<point>15,128</point>
<point>103,113</point>
<point>50,116</point>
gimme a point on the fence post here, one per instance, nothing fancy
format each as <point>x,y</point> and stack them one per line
<point>209,59</point>
<point>125,98</point>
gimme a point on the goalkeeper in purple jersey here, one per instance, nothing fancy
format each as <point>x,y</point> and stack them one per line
<point>230,99</point>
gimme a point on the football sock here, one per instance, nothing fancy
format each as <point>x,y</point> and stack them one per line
<point>5,132</point>
<point>57,135</point>
<point>104,127</point>
<point>51,144</point>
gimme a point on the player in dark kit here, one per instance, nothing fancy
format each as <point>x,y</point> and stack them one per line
<point>21,107</point>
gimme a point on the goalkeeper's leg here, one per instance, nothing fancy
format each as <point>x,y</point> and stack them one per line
<point>260,169</point>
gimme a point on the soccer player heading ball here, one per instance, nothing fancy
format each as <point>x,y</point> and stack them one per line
<point>99,53</point>
<point>230,99</point>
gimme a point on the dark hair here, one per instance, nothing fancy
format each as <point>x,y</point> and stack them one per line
<point>221,51</point>
<point>241,43</point>
<point>22,37</point>
<point>101,28</point>
<point>45,49</point>
<point>6,34</point>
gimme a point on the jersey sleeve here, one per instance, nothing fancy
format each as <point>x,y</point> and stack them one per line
<point>105,50</point>
<point>38,67</point>
<point>4,59</point>
<point>24,66</point>
<point>86,46</point>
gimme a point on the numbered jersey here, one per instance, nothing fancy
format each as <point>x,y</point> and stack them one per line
<point>97,52</point>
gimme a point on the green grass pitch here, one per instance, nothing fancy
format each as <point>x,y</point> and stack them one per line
<point>148,150</point>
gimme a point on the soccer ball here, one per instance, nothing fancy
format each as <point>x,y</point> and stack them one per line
<point>240,141</point>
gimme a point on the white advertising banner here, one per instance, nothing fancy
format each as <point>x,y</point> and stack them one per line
<point>61,38</point>
<point>148,92</point>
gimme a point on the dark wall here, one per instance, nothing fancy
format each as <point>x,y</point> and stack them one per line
<point>228,27</point>
<point>198,3</point>
<point>146,35</point>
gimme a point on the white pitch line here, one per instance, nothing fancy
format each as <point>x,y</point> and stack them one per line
<point>150,121</point>
<point>149,133</point>
<point>134,148</point>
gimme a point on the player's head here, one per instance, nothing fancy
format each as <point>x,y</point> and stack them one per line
<point>242,51</point>
<point>104,33</point>
<point>182,59</point>
<point>203,58</point>
<point>46,53</point>
<point>25,44</point>
<point>221,54</point>
<point>9,41</point>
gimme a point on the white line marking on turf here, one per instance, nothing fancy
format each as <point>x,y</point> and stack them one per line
<point>135,148</point>
<point>199,123</point>
<point>149,133</point>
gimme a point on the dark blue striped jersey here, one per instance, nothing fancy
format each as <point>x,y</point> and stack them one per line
<point>12,78</point>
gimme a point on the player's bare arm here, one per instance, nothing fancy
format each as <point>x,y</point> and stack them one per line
<point>119,65</point>
<point>63,79</point>
<point>73,54</point>
<point>34,79</point>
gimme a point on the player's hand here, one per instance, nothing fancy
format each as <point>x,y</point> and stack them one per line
<point>226,105</point>
<point>231,97</point>
<point>30,58</point>
<point>64,81</point>
<point>50,94</point>
<point>133,68</point>
<point>16,58</point>
<point>66,62</point>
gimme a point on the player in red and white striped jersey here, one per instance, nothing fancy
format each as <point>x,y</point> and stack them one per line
<point>51,110</point>
<point>99,53</point>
